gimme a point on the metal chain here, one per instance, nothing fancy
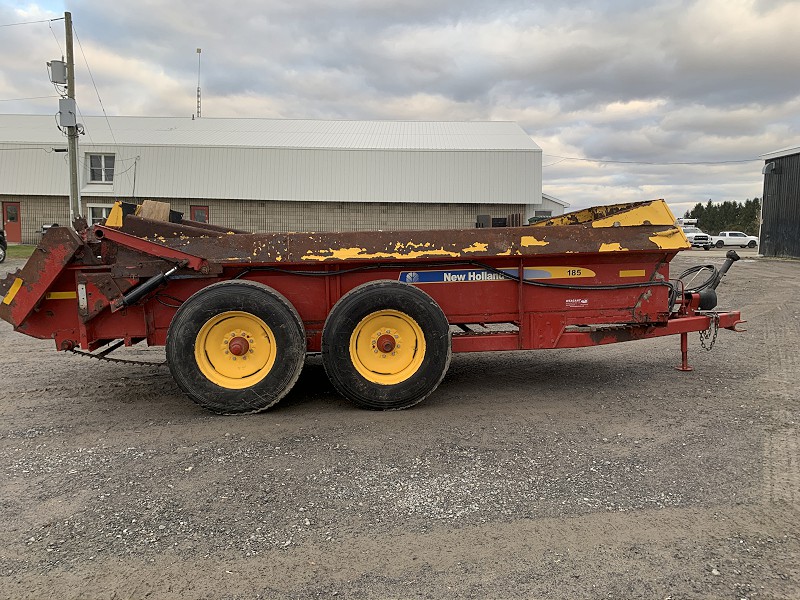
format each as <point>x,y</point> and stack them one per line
<point>118,360</point>
<point>710,333</point>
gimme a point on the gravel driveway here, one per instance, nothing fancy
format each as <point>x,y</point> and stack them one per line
<point>588,473</point>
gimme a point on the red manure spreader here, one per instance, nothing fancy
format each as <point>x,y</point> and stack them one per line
<point>238,312</point>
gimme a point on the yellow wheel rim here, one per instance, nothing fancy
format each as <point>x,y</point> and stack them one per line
<point>235,350</point>
<point>387,347</point>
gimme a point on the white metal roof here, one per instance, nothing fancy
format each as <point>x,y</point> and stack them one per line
<point>274,133</point>
<point>779,153</point>
<point>554,199</point>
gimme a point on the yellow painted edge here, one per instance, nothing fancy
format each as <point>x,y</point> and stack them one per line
<point>61,295</point>
<point>632,273</point>
<point>671,239</point>
<point>361,253</point>
<point>13,291</point>
<point>655,213</point>
<point>529,240</point>
<point>614,247</point>
<point>476,247</point>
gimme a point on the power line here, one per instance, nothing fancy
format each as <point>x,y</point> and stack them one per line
<point>554,163</point>
<point>96,91</point>
<point>50,25</point>
<point>80,112</point>
<point>30,148</point>
<point>640,162</point>
<point>31,22</point>
<point>31,98</point>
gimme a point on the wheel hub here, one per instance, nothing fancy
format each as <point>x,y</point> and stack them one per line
<point>238,346</point>
<point>238,343</point>
<point>386,343</point>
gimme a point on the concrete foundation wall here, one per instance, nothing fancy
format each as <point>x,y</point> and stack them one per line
<point>270,215</point>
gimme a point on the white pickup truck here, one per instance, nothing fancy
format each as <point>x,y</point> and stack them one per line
<point>697,237</point>
<point>734,238</point>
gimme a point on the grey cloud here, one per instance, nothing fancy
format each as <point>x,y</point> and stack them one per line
<point>660,81</point>
<point>586,56</point>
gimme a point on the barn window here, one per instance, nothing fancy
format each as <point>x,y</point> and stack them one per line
<point>101,168</point>
<point>98,213</point>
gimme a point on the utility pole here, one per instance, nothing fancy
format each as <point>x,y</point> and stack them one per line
<point>75,209</point>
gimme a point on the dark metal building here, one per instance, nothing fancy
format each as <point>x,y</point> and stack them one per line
<point>780,207</point>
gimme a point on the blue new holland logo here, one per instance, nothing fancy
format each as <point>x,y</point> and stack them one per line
<point>454,275</point>
<point>482,275</point>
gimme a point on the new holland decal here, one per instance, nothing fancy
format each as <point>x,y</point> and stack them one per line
<point>484,275</point>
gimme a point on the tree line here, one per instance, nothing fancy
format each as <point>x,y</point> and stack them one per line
<point>727,216</point>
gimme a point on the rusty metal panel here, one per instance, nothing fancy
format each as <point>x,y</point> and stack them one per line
<point>474,243</point>
<point>632,227</point>
<point>153,248</point>
<point>29,286</point>
<point>384,246</point>
<point>101,290</point>
<point>151,229</point>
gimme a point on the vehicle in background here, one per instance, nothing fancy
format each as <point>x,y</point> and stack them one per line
<point>697,237</point>
<point>734,238</point>
<point>3,245</point>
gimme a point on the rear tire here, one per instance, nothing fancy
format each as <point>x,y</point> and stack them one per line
<point>2,254</point>
<point>236,347</point>
<point>386,345</point>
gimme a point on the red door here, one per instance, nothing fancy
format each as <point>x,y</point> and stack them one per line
<point>198,213</point>
<point>11,222</point>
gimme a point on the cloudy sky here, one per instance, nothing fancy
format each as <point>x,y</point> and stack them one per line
<point>616,92</point>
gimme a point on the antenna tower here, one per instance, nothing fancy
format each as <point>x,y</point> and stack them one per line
<point>199,50</point>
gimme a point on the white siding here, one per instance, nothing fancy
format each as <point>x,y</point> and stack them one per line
<point>508,177</point>
<point>33,169</point>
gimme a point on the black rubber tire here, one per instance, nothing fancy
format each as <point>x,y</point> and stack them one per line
<point>2,254</point>
<point>706,247</point>
<point>245,296</point>
<point>751,244</point>
<point>349,312</point>
<point>720,244</point>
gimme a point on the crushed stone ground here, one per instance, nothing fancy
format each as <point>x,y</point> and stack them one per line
<point>588,473</point>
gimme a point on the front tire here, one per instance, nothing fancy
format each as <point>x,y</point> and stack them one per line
<point>751,244</point>
<point>2,254</point>
<point>236,347</point>
<point>386,345</point>
<point>720,244</point>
